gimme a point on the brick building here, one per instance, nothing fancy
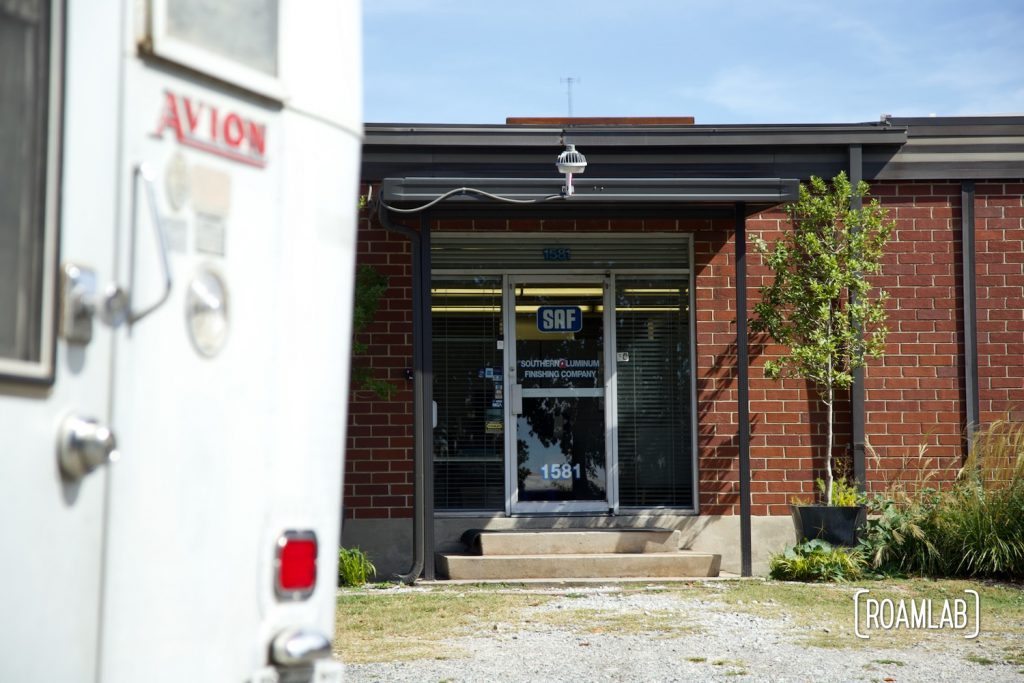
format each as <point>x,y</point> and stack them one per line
<point>576,362</point>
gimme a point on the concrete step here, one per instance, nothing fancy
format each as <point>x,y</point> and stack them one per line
<point>678,564</point>
<point>572,541</point>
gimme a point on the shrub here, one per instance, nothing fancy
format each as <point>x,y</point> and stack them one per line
<point>816,560</point>
<point>844,493</point>
<point>974,529</point>
<point>898,537</point>
<point>354,567</point>
<point>981,523</point>
<point>997,455</point>
<point>981,530</point>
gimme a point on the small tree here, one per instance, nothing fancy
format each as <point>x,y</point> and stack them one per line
<point>820,306</point>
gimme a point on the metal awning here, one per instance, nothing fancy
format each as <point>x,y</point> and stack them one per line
<point>526,192</point>
<point>486,138</point>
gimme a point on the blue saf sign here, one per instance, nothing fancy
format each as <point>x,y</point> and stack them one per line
<point>559,319</point>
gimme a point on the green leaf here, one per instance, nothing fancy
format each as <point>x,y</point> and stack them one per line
<point>370,286</point>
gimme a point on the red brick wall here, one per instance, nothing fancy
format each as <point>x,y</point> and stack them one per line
<point>915,393</point>
<point>999,217</point>
<point>378,457</point>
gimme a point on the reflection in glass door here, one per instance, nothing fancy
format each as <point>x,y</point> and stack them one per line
<point>558,412</point>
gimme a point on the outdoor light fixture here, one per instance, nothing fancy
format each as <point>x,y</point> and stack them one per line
<point>570,161</point>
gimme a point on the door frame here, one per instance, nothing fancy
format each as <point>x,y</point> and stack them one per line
<point>513,506</point>
<point>583,272</point>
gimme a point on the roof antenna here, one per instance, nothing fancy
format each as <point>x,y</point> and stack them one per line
<point>569,83</point>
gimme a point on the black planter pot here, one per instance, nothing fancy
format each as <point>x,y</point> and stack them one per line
<point>837,525</point>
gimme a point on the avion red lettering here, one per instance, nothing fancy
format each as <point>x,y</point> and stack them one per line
<point>203,126</point>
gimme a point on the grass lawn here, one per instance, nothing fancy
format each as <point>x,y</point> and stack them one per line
<point>376,624</point>
<point>823,613</point>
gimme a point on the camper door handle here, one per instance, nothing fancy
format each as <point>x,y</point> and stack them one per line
<point>144,172</point>
<point>80,300</point>
<point>84,444</point>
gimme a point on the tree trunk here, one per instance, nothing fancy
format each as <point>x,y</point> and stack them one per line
<point>829,400</point>
<point>828,446</point>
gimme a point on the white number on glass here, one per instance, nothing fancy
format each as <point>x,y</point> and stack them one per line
<point>563,471</point>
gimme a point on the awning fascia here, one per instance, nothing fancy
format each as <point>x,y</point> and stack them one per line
<point>412,191</point>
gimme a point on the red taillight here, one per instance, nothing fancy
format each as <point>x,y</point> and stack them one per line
<point>296,565</point>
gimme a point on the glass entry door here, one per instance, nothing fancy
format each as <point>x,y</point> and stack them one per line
<point>557,366</point>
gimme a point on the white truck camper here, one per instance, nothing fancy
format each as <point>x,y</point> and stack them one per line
<point>178,184</point>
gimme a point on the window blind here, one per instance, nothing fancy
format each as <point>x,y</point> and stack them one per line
<point>469,439</point>
<point>654,406</point>
<point>558,251</point>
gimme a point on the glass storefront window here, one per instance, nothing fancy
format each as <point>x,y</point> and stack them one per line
<point>567,393</point>
<point>469,439</point>
<point>654,392</point>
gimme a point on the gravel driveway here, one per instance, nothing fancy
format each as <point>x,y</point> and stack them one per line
<point>557,641</point>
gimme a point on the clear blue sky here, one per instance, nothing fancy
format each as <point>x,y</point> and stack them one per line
<point>721,61</point>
